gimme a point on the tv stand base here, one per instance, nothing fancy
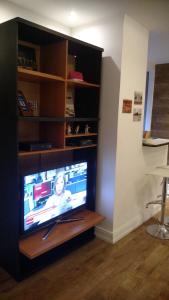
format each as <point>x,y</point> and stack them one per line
<point>60,221</point>
<point>33,246</point>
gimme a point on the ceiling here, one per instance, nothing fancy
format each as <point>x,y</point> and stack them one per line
<point>153,14</point>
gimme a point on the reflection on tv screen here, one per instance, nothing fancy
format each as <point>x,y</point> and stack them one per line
<point>52,193</point>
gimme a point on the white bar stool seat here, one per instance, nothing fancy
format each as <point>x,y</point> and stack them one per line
<point>160,230</point>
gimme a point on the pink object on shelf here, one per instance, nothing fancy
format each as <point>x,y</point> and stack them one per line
<point>76,75</point>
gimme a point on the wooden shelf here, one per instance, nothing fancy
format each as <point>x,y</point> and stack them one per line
<point>74,119</point>
<point>78,83</point>
<point>67,136</point>
<point>41,119</point>
<point>37,152</point>
<point>80,147</point>
<point>33,246</point>
<point>56,119</point>
<point>54,150</point>
<point>36,76</point>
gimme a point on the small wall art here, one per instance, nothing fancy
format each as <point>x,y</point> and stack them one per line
<point>138,98</point>
<point>127,106</point>
<point>137,112</point>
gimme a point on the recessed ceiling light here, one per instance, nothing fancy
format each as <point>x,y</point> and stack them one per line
<point>73,16</point>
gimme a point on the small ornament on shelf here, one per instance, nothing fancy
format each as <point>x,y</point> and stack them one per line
<point>77,129</point>
<point>69,129</point>
<point>33,103</point>
<point>27,57</point>
<point>70,110</point>
<point>87,127</point>
<point>23,105</point>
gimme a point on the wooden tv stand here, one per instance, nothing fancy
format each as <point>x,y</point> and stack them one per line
<point>33,246</point>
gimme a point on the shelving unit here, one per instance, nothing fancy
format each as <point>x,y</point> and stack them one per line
<point>43,78</point>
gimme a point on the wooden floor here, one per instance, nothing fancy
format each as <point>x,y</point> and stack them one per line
<point>135,268</point>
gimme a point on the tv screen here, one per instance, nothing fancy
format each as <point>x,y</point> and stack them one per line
<point>50,194</point>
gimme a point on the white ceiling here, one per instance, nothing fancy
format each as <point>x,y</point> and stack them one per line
<point>153,14</point>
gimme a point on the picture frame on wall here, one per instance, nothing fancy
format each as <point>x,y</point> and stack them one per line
<point>137,113</point>
<point>127,106</point>
<point>138,98</point>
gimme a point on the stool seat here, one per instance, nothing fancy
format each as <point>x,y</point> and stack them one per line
<point>161,230</point>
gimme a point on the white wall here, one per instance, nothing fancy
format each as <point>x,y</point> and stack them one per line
<point>108,35</point>
<point>9,11</point>
<point>130,167</point>
<point>123,187</point>
<point>158,53</point>
<point>133,188</point>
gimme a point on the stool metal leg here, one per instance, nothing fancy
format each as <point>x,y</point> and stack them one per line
<point>166,221</point>
<point>160,230</point>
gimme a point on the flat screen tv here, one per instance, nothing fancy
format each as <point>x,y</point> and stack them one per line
<point>52,194</point>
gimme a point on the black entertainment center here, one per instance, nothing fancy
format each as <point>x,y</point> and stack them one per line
<point>40,140</point>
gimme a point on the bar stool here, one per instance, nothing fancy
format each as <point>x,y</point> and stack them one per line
<point>160,230</point>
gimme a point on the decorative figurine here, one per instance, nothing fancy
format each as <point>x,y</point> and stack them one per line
<point>87,128</point>
<point>23,105</point>
<point>69,129</point>
<point>77,129</point>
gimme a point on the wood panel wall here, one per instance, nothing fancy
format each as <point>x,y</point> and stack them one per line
<point>160,112</point>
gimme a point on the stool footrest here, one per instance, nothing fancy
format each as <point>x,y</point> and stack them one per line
<point>154,202</point>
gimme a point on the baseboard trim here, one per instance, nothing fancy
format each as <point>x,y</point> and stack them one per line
<point>117,234</point>
<point>104,234</point>
<point>126,228</point>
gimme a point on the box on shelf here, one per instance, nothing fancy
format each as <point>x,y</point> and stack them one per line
<point>75,75</point>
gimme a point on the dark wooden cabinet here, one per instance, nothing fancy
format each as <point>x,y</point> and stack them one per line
<point>37,61</point>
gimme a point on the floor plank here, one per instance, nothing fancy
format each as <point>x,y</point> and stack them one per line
<point>135,268</point>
